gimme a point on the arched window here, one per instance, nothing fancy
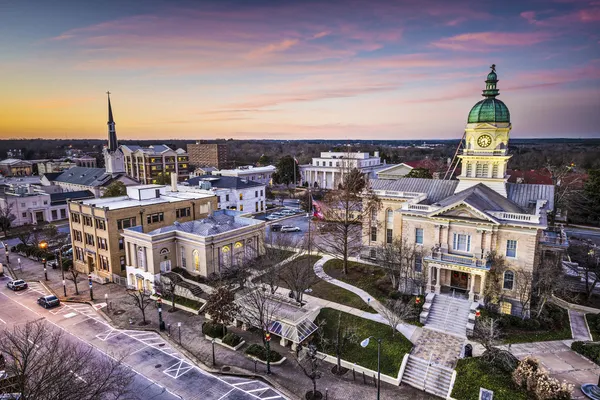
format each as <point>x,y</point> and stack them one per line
<point>196,256</point>
<point>389,218</point>
<point>164,251</point>
<point>509,280</point>
<point>141,258</point>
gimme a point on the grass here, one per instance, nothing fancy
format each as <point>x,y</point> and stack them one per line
<point>593,321</point>
<point>371,279</point>
<point>393,348</point>
<point>330,292</point>
<point>473,373</point>
<point>183,301</point>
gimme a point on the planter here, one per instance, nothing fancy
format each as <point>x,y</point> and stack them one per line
<point>177,305</point>
<point>220,342</point>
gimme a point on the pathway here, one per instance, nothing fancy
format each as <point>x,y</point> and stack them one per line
<point>579,327</point>
<point>411,332</point>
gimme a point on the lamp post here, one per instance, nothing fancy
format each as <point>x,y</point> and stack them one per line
<point>62,271</point>
<point>213,349</point>
<point>268,341</point>
<point>91,288</point>
<point>19,262</point>
<point>364,344</point>
<point>161,323</point>
<point>179,326</point>
<point>43,246</point>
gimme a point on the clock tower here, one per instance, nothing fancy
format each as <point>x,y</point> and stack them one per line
<point>485,153</point>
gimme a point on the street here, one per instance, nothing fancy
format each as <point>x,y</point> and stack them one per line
<point>161,372</point>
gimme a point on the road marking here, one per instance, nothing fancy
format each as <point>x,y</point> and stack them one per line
<point>226,394</point>
<point>263,389</point>
<point>272,397</point>
<point>242,383</point>
<point>1,320</point>
<point>70,315</point>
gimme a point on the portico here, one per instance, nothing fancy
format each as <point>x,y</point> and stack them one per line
<point>447,273</point>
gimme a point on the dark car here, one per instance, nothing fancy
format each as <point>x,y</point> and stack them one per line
<point>48,301</point>
<point>276,227</point>
<point>18,284</point>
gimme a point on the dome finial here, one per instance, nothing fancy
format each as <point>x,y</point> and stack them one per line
<point>493,67</point>
<point>490,90</point>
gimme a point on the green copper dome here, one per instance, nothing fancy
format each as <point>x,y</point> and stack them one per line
<point>489,109</point>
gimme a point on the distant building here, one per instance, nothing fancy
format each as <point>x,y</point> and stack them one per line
<point>15,153</point>
<point>263,175</point>
<point>31,205</point>
<point>204,154</point>
<point>54,166</point>
<point>96,225</point>
<point>96,180</point>
<point>232,193</point>
<point>146,164</point>
<point>202,247</point>
<point>203,171</point>
<point>86,161</point>
<point>436,169</point>
<point>326,171</point>
<point>15,167</point>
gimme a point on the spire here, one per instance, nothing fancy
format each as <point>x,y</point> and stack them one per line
<point>112,133</point>
<point>490,84</point>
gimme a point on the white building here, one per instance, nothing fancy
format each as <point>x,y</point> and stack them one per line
<point>232,193</point>
<point>326,171</point>
<point>262,175</point>
<point>96,180</point>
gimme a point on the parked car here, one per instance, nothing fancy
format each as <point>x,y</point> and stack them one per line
<point>52,263</point>
<point>16,285</point>
<point>289,228</point>
<point>288,212</point>
<point>272,217</point>
<point>276,227</point>
<point>48,301</point>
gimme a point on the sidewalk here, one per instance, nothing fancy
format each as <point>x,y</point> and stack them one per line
<point>579,327</point>
<point>411,332</point>
<point>288,378</point>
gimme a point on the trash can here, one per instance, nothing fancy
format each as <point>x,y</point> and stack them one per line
<point>468,351</point>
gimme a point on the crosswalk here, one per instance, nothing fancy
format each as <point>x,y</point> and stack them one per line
<point>33,287</point>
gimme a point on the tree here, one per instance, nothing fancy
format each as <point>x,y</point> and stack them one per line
<point>43,364</point>
<point>25,236</point>
<point>396,312</point>
<point>268,265</point>
<point>523,287</point>
<point>264,160</point>
<point>587,256</point>
<point>487,332</point>
<point>72,273</point>
<point>398,260</point>
<point>257,308</point>
<point>344,209</point>
<point>287,170</point>
<point>494,282</point>
<point>169,285</point>
<point>117,188</point>
<point>163,178</point>
<point>310,362</point>
<point>6,217</point>
<point>221,306</point>
<point>591,192</point>
<point>141,299</point>
<point>344,335</point>
<point>423,173</point>
<point>298,275</point>
<point>545,282</point>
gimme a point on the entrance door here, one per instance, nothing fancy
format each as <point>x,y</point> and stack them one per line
<point>459,280</point>
<point>90,263</point>
<point>39,216</point>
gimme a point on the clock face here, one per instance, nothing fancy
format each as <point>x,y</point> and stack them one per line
<point>484,140</point>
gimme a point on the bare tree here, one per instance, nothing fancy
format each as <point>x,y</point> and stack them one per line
<point>396,312</point>
<point>344,209</point>
<point>487,332</point>
<point>258,308</point>
<point>587,256</point>
<point>311,362</point>
<point>221,306</point>
<point>269,264</point>
<point>25,236</point>
<point>493,284</point>
<point>344,335</point>
<point>72,274</point>
<point>567,187</point>
<point>523,287</point>
<point>168,285</point>
<point>298,275</point>
<point>42,364</point>
<point>398,260</point>
<point>7,216</point>
<point>141,299</point>
<point>545,280</point>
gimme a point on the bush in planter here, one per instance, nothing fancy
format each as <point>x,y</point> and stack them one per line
<point>589,350</point>
<point>214,330</point>
<point>231,339</point>
<point>260,352</point>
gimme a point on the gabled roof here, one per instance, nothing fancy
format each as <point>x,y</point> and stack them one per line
<point>482,198</point>
<point>51,176</point>
<point>61,198</point>
<point>436,189</point>
<point>10,161</point>
<point>526,195</point>
<point>224,182</point>
<point>86,176</point>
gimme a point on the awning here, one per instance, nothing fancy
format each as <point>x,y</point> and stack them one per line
<point>295,333</point>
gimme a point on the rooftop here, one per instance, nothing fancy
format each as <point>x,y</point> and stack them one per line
<point>436,189</point>
<point>84,176</point>
<point>223,182</point>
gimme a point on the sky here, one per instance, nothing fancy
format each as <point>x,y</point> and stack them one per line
<point>356,69</point>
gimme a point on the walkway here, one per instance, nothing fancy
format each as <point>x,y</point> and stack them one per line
<point>411,332</point>
<point>579,327</point>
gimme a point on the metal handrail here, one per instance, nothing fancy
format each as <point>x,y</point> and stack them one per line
<point>427,371</point>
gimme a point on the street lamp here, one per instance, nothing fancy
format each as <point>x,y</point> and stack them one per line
<point>364,344</point>
<point>62,271</point>
<point>213,348</point>
<point>43,246</point>
<point>179,326</point>
<point>161,323</point>
<point>268,341</point>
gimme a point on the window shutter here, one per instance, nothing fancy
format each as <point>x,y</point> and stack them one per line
<point>454,244</point>
<point>468,243</point>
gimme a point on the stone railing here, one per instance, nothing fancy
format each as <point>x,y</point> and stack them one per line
<point>417,207</point>
<point>508,216</point>
<point>470,261</point>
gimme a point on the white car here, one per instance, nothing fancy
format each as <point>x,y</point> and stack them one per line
<point>289,228</point>
<point>288,212</point>
<point>272,217</point>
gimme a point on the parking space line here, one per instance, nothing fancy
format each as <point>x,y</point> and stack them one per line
<point>226,394</point>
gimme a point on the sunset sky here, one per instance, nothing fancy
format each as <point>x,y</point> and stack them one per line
<point>295,69</point>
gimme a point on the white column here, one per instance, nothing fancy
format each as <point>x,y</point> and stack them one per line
<point>438,286</point>
<point>482,288</point>
<point>430,272</point>
<point>472,288</point>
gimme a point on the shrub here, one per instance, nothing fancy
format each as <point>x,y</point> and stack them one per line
<point>589,350</point>
<point>537,382</point>
<point>525,375</point>
<point>214,330</point>
<point>260,352</point>
<point>231,339</point>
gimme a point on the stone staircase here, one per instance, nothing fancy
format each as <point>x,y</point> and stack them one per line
<point>449,314</point>
<point>428,376</point>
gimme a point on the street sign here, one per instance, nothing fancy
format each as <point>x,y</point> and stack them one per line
<point>485,394</point>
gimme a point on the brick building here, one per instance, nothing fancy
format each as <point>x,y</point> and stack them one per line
<point>204,154</point>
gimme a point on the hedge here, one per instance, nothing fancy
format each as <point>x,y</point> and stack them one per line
<point>260,352</point>
<point>213,329</point>
<point>34,251</point>
<point>231,339</point>
<point>588,350</point>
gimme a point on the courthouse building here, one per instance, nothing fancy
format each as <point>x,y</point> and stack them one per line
<point>455,224</point>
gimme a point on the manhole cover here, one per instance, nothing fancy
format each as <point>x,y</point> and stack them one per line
<point>119,312</point>
<point>226,369</point>
<point>158,366</point>
<point>161,345</point>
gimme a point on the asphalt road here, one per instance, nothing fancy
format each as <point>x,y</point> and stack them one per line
<point>161,371</point>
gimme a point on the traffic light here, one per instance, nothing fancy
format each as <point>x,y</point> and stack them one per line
<point>268,337</point>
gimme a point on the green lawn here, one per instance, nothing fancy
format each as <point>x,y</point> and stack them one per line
<point>392,348</point>
<point>472,373</point>
<point>369,278</point>
<point>593,321</point>
<point>330,292</point>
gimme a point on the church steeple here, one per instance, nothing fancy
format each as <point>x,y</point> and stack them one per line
<point>112,133</point>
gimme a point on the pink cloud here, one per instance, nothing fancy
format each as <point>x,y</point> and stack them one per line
<point>485,41</point>
<point>548,18</point>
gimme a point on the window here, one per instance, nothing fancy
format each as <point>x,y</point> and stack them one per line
<point>241,196</point>
<point>89,239</point>
<point>79,253</point>
<point>164,251</point>
<point>121,244</point>
<point>389,218</point>
<point>373,253</point>
<point>35,203</point>
<point>23,204</point>
<point>87,221</point>
<point>104,263</point>
<point>54,215</point>
<point>331,163</point>
<point>125,223</point>
<point>373,233</point>
<point>495,171</point>
<point>505,307</point>
<point>102,244</point>
<point>509,280</point>
<point>462,242</point>
<point>418,263</point>
<point>389,236</point>
<point>196,256</point>
<point>256,207</point>
<point>122,261</point>
<point>154,218</point>
<point>261,193</point>
<point>226,197</point>
<point>262,207</point>
<point>183,260</point>
<point>157,191</point>
<point>241,207</point>
<point>141,258</point>
<point>63,213</point>
<point>24,215</point>
<point>485,170</point>
<point>77,235</point>
<point>183,212</point>
<point>100,224</point>
<point>45,202</point>
<point>469,169</point>
<point>256,193</point>
<point>511,248</point>
<point>75,218</point>
<point>419,235</point>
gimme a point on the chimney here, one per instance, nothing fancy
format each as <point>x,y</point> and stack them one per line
<point>173,182</point>
<point>376,154</point>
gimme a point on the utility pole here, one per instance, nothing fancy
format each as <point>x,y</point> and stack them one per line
<point>91,288</point>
